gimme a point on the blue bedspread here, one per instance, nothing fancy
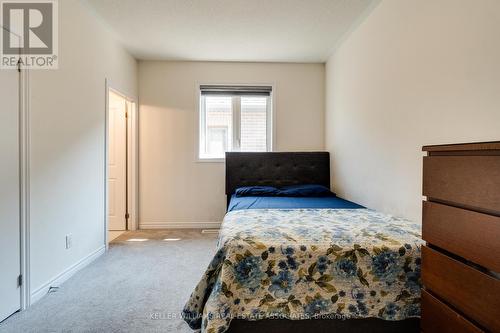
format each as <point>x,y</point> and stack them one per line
<point>308,263</point>
<point>239,203</point>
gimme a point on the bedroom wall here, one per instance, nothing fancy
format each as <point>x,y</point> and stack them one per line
<point>67,143</point>
<point>175,189</point>
<point>413,73</point>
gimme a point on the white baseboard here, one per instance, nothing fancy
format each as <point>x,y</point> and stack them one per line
<point>179,225</point>
<point>59,279</point>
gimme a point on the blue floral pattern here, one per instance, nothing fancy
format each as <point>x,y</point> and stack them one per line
<point>247,272</point>
<point>302,263</point>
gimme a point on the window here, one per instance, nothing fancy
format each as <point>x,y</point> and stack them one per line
<point>234,118</point>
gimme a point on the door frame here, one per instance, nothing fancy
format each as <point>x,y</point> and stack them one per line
<point>24,146</point>
<point>24,128</point>
<point>132,161</point>
<point>24,183</point>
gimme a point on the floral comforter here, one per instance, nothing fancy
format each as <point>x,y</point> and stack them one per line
<point>304,263</point>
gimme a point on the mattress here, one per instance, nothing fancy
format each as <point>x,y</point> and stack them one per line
<point>239,203</point>
<point>307,263</point>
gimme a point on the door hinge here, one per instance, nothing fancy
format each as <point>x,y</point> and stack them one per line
<point>127,215</point>
<point>20,280</point>
<point>19,65</point>
<point>126,114</point>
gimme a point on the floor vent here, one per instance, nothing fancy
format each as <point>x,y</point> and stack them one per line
<point>53,290</point>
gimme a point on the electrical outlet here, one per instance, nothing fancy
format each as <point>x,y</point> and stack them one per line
<point>69,241</point>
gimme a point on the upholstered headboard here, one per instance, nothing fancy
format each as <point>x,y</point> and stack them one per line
<point>276,169</point>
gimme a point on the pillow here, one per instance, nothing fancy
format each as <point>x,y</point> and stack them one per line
<point>307,190</point>
<point>256,191</point>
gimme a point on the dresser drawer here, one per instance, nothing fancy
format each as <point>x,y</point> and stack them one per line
<point>467,289</point>
<point>472,181</point>
<point>438,317</point>
<point>468,234</point>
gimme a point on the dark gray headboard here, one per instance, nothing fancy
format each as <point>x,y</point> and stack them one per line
<point>276,169</point>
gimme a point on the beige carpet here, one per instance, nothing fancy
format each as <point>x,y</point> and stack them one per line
<point>139,285</point>
<point>112,234</point>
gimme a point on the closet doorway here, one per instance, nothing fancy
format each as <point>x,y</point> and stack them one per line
<point>121,164</point>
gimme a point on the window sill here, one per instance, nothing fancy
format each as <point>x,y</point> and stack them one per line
<point>210,160</point>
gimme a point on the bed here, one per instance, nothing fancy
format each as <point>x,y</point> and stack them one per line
<point>305,263</point>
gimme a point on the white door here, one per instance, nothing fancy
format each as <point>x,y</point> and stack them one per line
<point>10,251</point>
<point>117,161</point>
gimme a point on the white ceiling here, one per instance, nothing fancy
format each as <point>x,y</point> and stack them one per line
<point>231,30</point>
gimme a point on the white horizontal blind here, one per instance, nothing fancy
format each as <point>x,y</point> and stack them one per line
<point>234,118</point>
<point>235,90</point>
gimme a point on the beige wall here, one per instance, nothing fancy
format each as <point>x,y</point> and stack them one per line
<point>174,188</point>
<point>67,142</point>
<point>413,73</point>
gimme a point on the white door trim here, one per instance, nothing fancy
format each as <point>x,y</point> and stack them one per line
<point>24,184</point>
<point>132,162</point>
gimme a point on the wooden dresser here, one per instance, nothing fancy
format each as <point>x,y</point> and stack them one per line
<point>461,225</point>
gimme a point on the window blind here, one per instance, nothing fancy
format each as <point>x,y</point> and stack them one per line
<point>235,90</point>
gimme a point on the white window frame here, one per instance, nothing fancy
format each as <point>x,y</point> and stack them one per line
<point>270,121</point>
